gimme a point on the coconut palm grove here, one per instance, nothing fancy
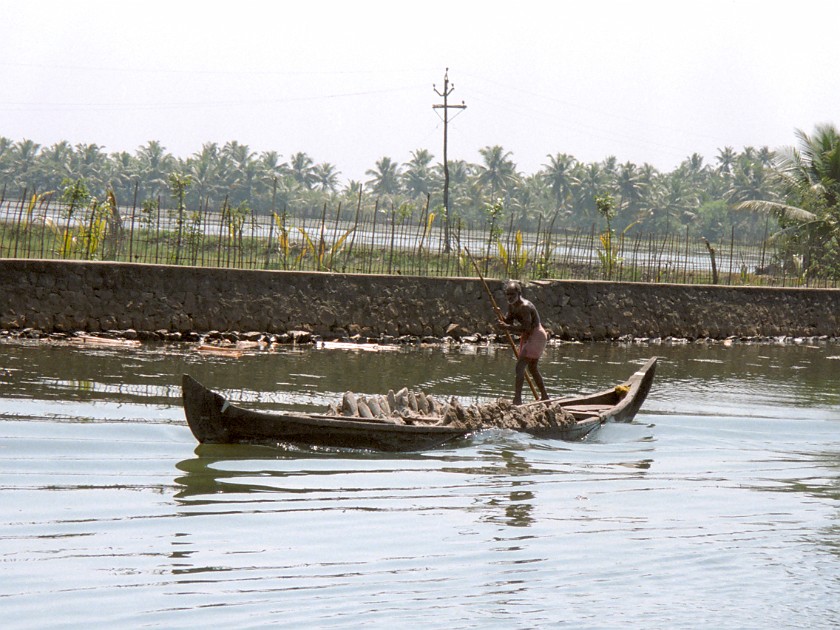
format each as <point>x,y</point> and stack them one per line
<point>789,196</point>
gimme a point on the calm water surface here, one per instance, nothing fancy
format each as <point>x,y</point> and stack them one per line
<point>718,507</point>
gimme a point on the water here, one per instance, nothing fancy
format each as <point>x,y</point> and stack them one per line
<point>718,507</point>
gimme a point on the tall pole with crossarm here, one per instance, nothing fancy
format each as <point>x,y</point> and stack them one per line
<point>447,90</point>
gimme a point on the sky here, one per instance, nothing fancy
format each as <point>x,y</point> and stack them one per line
<point>645,81</point>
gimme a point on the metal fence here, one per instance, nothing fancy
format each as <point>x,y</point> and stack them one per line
<point>378,242</point>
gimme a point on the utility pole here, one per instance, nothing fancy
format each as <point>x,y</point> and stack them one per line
<point>447,90</point>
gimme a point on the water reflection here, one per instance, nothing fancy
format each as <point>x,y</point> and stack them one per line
<point>228,474</point>
<point>227,469</point>
<point>204,478</point>
<point>520,501</point>
<point>518,512</point>
<point>509,487</point>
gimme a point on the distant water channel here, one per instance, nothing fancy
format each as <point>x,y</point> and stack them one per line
<point>719,507</point>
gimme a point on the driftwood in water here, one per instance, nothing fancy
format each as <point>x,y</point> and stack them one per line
<point>103,342</point>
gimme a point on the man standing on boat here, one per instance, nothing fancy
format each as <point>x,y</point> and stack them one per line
<point>523,319</point>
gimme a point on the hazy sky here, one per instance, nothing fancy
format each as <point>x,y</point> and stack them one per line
<point>350,82</point>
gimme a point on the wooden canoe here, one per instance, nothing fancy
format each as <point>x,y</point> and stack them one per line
<point>214,420</point>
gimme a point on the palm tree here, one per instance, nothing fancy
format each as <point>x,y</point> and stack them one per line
<point>418,179</point>
<point>154,166</point>
<point>242,170</point>
<point>592,183</point>
<point>766,157</point>
<point>528,203</point>
<point>351,191</point>
<point>725,160</point>
<point>675,202</point>
<point>750,180</point>
<point>559,175</point>
<point>694,170</point>
<point>609,167</point>
<point>270,166</point>
<point>300,166</point>
<point>498,173</point>
<point>385,178</point>
<point>203,169</point>
<point>325,176</point>
<point>25,160</point>
<point>55,164</point>
<point>464,198</point>
<point>90,162</point>
<point>120,175</point>
<point>810,216</point>
<point>629,188</point>
<point>6,160</point>
<point>277,185</point>
<point>648,180</point>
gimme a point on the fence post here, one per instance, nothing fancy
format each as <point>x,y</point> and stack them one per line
<point>731,252</point>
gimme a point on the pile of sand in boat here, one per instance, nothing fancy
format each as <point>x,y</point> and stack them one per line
<point>407,406</point>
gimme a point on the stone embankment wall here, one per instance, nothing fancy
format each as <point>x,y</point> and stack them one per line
<point>60,296</point>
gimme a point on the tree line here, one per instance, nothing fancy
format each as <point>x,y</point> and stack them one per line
<point>696,194</point>
<point>791,194</point>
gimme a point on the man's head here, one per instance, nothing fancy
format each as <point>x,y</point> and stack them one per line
<point>513,290</point>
